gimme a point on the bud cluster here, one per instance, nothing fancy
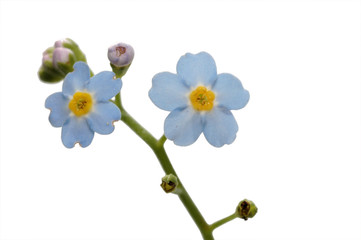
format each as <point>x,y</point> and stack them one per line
<point>59,60</point>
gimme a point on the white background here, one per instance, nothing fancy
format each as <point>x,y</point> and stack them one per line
<point>297,152</point>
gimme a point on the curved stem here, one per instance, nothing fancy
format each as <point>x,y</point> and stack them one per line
<point>158,148</point>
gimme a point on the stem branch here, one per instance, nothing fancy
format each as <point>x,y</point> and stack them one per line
<point>223,221</point>
<point>158,148</point>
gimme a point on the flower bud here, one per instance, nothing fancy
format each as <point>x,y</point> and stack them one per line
<point>60,43</point>
<point>169,183</point>
<point>63,59</point>
<point>58,60</point>
<point>120,56</point>
<point>48,57</point>
<point>47,72</point>
<point>72,46</point>
<point>246,209</point>
<point>61,55</point>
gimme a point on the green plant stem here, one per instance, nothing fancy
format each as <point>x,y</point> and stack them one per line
<point>158,148</point>
<point>223,221</point>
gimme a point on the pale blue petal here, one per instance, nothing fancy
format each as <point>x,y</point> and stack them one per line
<point>183,126</point>
<point>230,92</point>
<point>220,127</point>
<point>197,69</point>
<point>102,118</point>
<point>76,130</point>
<point>104,86</point>
<point>58,105</point>
<point>76,80</point>
<point>168,92</point>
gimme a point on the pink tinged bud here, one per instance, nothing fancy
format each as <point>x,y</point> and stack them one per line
<point>61,55</point>
<point>47,57</point>
<point>60,43</point>
<point>121,54</point>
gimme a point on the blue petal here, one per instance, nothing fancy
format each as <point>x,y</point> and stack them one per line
<point>197,69</point>
<point>220,127</point>
<point>168,92</point>
<point>104,86</point>
<point>76,80</point>
<point>230,92</point>
<point>58,105</point>
<point>76,130</point>
<point>183,126</point>
<point>102,118</point>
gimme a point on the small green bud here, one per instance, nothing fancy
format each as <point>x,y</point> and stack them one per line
<point>120,56</point>
<point>246,209</point>
<point>169,183</point>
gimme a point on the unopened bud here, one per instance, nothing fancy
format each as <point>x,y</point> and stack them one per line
<point>169,183</point>
<point>47,72</point>
<point>61,55</point>
<point>246,209</point>
<point>63,59</point>
<point>59,60</point>
<point>120,56</point>
<point>48,57</point>
<point>60,43</point>
<point>71,45</point>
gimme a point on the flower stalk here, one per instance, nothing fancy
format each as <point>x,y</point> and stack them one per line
<point>223,221</point>
<point>158,148</point>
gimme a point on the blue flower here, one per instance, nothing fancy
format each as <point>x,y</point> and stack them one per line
<point>83,107</point>
<point>199,101</point>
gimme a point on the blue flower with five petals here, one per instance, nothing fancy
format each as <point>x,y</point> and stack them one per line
<point>199,100</point>
<point>83,106</point>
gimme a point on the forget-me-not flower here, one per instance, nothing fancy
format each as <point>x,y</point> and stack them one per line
<point>199,100</point>
<point>83,106</point>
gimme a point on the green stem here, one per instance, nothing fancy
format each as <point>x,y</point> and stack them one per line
<point>158,148</point>
<point>223,221</point>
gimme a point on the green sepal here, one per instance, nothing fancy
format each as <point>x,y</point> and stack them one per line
<point>79,55</point>
<point>120,71</point>
<point>49,50</point>
<point>66,68</point>
<point>49,75</point>
<point>48,66</point>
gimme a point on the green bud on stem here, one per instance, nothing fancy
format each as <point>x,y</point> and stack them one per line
<point>169,183</point>
<point>246,209</point>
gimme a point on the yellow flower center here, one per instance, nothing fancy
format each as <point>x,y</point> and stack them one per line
<point>202,99</point>
<point>81,103</point>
